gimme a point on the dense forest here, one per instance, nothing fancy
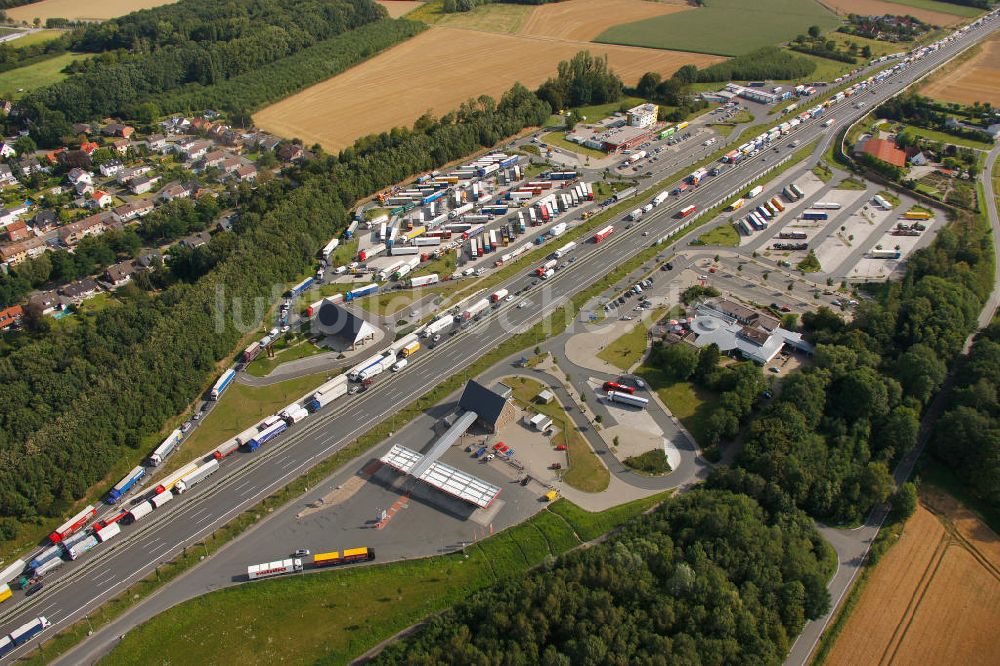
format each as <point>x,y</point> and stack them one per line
<point>768,62</point>
<point>967,436</point>
<point>710,577</point>
<point>145,54</point>
<point>78,402</point>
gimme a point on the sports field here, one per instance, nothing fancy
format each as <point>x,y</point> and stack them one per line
<point>398,86</point>
<point>977,80</point>
<point>934,598</point>
<point>725,27</point>
<point>76,9</point>
<point>943,15</point>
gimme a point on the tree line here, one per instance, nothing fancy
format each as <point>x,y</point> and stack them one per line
<point>581,81</point>
<point>712,576</point>
<point>768,62</point>
<point>452,6</point>
<point>79,401</point>
<point>143,56</point>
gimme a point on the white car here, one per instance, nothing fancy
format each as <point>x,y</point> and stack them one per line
<point>522,304</point>
<point>509,298</point>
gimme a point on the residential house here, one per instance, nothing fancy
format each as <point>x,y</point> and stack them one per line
<point>7,150</point>
<point>119,274</point>
<point>10,317</point>
<point>267,142</point>
<point>78,159</point>
<point>232,139</point>
<point>142,184</point>
<point>112,168</point>
<point>117,129</point>
<point>15,253</point>
<point>230,164</point>
<point>30,164</point>
<point>53,156</point>
<point>89,147</point>
<point>173,191</point>
<point>46,302</point>
<point>81,290</point>
<point>94,225</point>
<point>84,189</point>
<point>101,199</point>
<point>196,240</point>
<point>129,173</point>
<point>82,128</point>
<point>44,220</point>
<point>213,159</point>
<point>886,151</point>
<point>994,131</point>
<point>7,176</point>
<point>918,159</point>
<point>201,124</point>
<point>132,211</point>
<point>77,176</point>
<point>120,146</point>
<point>245,173</point>
<point>8,215</point>
<point>18,231</point>
<point>216,132</point>
<point>289,152</point>
<point>150,259</point>
<point>157,142</point>
<point>196,150</point>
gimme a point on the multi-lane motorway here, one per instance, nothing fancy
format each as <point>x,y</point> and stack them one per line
<point>246,479</point>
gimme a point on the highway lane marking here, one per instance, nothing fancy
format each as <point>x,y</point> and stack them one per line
<point>245,468</point>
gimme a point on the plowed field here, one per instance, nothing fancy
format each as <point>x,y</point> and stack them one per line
<point>934,598</point>
<point>399,7</point>
<point>436,71</point>
<point>876,7</point>
<point>78,9</point>
<point>585,19</point>
<point>978,80</point>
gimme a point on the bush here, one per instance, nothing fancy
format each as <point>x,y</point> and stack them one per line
<point>653,461</point>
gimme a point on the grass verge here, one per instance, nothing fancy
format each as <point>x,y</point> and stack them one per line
<point>262,366</point>
<point>724,235</point>
<point>559,140</point>
<point>626,350</point>
<point>652,463</point>
<point>851,183</point>
<point>691,404</point>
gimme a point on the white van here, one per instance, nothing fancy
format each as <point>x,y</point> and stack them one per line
<point>399,365</point>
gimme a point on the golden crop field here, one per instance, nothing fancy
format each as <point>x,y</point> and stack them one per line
<point>399,7</point>
<point>934,598</point>
<point>977,80</point>
<point>876,7</point>
<point>436,71</point>
<point>585,19</point>
<point>80,10</point>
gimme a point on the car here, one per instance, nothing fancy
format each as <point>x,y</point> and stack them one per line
<point>302,552</point>
<point>702,277</point>
<point>186,426</point>
<point>774,370</point>
<point>286,328</point>
<point>785,308</point>
<point>625,318</point>
<point>645,233</point>
<point>196,416</point>
<point>354,390</point>
<point>522,304</point>
<point>775,306</point>
<point>490,457</point>
<point>572,259</point>
<point>34,588</point>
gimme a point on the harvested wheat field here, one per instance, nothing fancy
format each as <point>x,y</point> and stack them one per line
<point>399,7</point>
<point>79,10</point>
<point>875,7</point>
<point>585,19</point>
<point>934,598</point>
<point>436,71</point>
<point>978,80</point>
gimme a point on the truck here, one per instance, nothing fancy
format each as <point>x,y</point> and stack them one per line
<point>266,435</point>
<point>684,212</point>
<point>680,189</point>
<point>13,570</point>
<point>479,306</point>
<point>46,555</point>
<point>828,122</point>
<point>625,194</point>
<point>826,205</point>
<point>327,393</point>
<point>660,198</point>
<point>222,384</point>
<point>204,471</point>
<point>498,296</point>
<point>736,205</point>
<point>5,593</point>
<point>558,229</point>
<point>547,274</point>
<point>73,525</point>
<point>373,251</point>
<point>562,175</point>
<point>140,511</point>
<point>697,176</point>
<point>251,352</point>
<point>125,484</point>
<point>170,481</point>
<point>603,233</point>
<point>300,287</point>
<point>881,202</point>
<point>108,532</point>
<point>424,280</point>
<point>24,633</point>
<point>917,215</point>
<point>564,250</point>
<point>754,192</point>
<point>410,349</point>
<point>621,388</point>
<point>269,569</point>
<point>628,399</point>
<point>815,215</point>
<point>635,157</point>
<point>441,323</point>
<point>156,501</point>
<point>551,263</point>
<point>780,207</point>
<point>227,448</point>
<point>81,547</point>
<point>294,413</point>
<point>366,290</point>
<point>399,365</point>
<point>459,211</point>
<point>635,214</point>
<point>384,363</point>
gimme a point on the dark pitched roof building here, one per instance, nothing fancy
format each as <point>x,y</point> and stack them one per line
<point>492,406</point>
<point>339,322</point>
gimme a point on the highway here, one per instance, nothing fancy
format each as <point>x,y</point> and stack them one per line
<point>245,479</point>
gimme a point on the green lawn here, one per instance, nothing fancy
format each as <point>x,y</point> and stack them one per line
<point>878,47</point>
<point>394,301</point>
<point>592,114</point>
<point>262,366</point>
<point>36,38</point>
<point>724,234</point>
<point>943,7</point>
<point>851,184</point>
<point>558,139</point>
<point>934,135</point>
<point>626,350</point>
<point>725,27</point>
<point>336,615</point>
<point>822,172</point>
<point>345,253</point>
<point>585,472</point>
<point>92,306</point>
<point>17,82</point>
<point>239,408</point>
<point>689,403</point>
<point>826,69</point>
<point>490,17</point>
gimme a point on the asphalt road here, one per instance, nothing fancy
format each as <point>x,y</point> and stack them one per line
<point>246,479</point>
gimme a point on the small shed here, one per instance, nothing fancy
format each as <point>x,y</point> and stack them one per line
<point>540,422</point>
<point>545,397</point>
